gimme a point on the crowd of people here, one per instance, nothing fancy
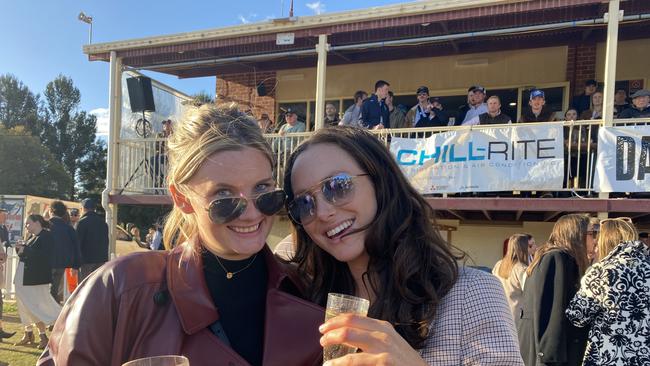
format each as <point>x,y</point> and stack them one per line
<point>57,242</point>
<point>583,297</point>
<point>377,110</point>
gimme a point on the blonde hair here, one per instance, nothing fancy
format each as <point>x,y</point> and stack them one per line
<point>612,233</point>
<point>517,253</point>
<point>569,235</point>
<point>204,131</point>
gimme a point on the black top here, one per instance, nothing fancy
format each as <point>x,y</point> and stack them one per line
<point>240,301</point>
<point>36,257</point>
<point>634,112</point>
<point>4,234</point>
<point>66,252</point>
<point>581,103</point>
<point>92,232</point>
<point>500,119</point>
<point>545,115</point>
<point>374,112</point>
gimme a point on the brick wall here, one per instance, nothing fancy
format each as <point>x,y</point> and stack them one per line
<point>242,89</point>
<point>581,66</point>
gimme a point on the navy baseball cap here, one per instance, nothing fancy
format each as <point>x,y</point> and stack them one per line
<point>475,88</point>
<point>422,89</point>
<point>536,93</point>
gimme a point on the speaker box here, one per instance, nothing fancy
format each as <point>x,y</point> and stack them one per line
<point>140,94</point>
<point>261,90</point>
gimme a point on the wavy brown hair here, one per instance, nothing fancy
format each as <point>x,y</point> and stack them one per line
<point>570,236</point>
<point>411,267</point>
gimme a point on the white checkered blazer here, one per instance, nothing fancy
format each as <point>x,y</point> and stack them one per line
<point>473,325</point>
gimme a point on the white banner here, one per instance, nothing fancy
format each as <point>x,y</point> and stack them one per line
<point>517,157</point>
<point>622,164</point>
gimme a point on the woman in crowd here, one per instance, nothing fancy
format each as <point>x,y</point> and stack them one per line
<point>545,335</point>
<point>363,230</point>
<point>596,110</point>
<point>571,115</point>
<point>219,297</point>
<point>33,278</point>
<point>511,270</point>
<point>613,301</point>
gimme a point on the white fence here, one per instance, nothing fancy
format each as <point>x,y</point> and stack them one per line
<point>143,165</point>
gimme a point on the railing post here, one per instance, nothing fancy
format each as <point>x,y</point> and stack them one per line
<point>612,17</point>
<point>321,74</point>
<point>112,160</point>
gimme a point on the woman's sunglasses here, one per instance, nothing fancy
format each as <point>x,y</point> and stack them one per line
<point>337,190</point>
<point>224,210</point>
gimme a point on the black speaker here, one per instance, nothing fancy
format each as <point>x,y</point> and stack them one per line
<point>140,94</point>
<point>261,89</point>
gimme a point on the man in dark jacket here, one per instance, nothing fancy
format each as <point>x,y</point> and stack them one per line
<point>537,110</point>
<point>374,112</point>
<point>92,232</point>
<point>66,253</point>
<point>640,105</point>
<point>582,102</point>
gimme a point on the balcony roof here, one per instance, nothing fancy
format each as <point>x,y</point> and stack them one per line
<point>176,53</point>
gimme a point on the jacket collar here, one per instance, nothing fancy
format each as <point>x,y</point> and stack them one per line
<point>189,291</point>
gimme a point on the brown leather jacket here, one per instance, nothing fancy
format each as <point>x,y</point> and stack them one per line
<point>121,313</point>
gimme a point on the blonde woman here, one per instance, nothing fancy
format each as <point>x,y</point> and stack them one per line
<point>613,300</point>
<point>511,270</point>
<point>546,337</point>
<point>219,297</point>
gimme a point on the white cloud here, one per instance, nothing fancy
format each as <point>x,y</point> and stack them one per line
<point>102,121</point>
<point>318,7</point>
<point>247,19</point>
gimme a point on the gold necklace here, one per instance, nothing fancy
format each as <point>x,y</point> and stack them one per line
<point>229,275</point>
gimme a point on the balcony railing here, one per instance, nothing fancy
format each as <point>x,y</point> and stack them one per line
<point>143,168</point>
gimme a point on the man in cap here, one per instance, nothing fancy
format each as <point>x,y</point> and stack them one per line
<point>582,102</point>
<point>537,110</point>
<point>640,105</point>
<point>425,114</point>
<point>74,217</point>
<point>292,125</point>
<point>475,105</point>
<point>92,232</point>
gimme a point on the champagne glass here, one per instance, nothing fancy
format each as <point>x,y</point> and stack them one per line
<point>342,304</point>
<point>169,360</point>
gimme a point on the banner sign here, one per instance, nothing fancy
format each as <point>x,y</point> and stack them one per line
<point>623,163</point>
<point>517,157</point>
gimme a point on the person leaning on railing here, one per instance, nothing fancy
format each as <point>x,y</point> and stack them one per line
<point>613,301</point>
<point>640,105</point>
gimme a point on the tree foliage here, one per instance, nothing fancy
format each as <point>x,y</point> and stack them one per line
<point>68,133</point>
<point>28,167</point>
<point>92,171</point>
<point>18,105</point>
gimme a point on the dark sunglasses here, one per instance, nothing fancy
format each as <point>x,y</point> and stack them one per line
<point>224,210</point>
<point>337,190</point>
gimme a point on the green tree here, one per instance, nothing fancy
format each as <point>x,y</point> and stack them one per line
<point>18,105</point>
<point>28,167</point>
<point>200,99</point>
<point>68,133</point>
<point>92,172</point>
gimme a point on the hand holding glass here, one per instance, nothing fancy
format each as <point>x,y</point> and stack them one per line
<point>338,304</point>
<point>160,361</point>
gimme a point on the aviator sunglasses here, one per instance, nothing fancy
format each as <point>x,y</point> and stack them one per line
<point>337,190</point>
<point>224,210</point>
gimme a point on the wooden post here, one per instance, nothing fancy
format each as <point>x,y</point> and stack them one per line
<point>321,74</point>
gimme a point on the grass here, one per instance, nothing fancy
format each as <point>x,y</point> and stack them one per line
<point>11,355</point>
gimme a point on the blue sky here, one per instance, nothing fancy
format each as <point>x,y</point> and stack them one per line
<point>40,39</point>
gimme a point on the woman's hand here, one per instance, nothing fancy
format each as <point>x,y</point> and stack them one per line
<point>380,343</point>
